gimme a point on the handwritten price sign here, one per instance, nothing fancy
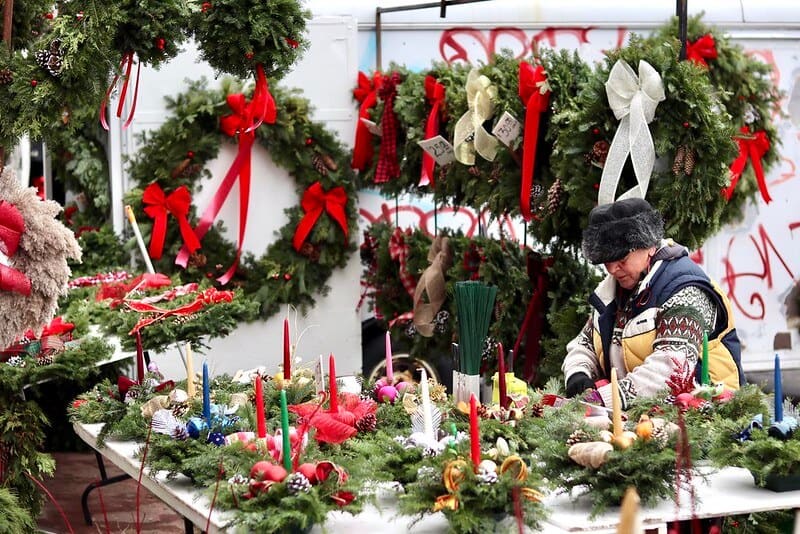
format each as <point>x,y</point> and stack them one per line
<point>439,149</point>
<point>507,129</point>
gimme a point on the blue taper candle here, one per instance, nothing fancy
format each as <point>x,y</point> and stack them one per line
<point>206,395</point>
<point>778,391</point>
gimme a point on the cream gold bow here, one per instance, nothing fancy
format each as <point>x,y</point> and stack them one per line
<point>633,99</point>
<point>470,136</point>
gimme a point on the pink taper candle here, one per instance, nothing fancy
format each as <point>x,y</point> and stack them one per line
<point>287,356</point>
<point>389,370</point>
<point>334,406</point>
<point>501,371</point>
<point>261,421</point>
<point>474,432</point>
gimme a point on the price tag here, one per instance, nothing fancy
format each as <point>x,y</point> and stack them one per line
<point>373,128</point>
<point>319,375</point>
<point>439,149</point>
<point>507,129</point>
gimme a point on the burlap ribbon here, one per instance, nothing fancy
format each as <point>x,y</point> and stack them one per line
<point>432,283</point>
<point>470,136</point>
<point>633,99</point>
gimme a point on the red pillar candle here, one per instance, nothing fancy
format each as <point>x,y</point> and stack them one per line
<point>334,406</point>
<point>501,370</point>
<point>287,356</point>
<point>474,432</point>
<point>261,421</point>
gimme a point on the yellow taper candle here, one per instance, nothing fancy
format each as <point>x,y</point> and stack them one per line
<point>189,372</point>
<point>616,408</point>
<point>139,240</point>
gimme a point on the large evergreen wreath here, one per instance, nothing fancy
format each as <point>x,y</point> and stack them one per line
<point>175,155</point>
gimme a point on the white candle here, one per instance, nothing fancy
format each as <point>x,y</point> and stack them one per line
<point>616,405</point>
<point>189,372</point>
<point>427,413</point>
<point>139,240</point>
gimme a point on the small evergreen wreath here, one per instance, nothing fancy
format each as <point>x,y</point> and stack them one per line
<point>236,35</point>
<point>175,155</point>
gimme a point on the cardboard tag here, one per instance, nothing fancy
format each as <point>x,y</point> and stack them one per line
<point>319,375</point>
<point>374,129</point>
<point>439,149</point>
<point>507,128</point>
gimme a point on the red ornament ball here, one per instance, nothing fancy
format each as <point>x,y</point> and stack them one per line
<point>596,131</point>
<point>49,16</point>
<point>79,16</point>
<point>190,154</point>
<point>34,83</point>
<point>685,124</point>
<point>287,276</point>
<point>309,471</point>
<point>161,43</point>
<point>264,470</point>
<point>309,141</point>
<point>205,6</point>
<point>249,55</point>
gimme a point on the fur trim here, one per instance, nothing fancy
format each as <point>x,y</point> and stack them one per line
<point>616,229</point>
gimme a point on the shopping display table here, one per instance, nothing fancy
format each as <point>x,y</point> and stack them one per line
<point>729,491</point>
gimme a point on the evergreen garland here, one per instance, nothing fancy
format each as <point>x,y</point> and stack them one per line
<point>14,518</point>
<point>176,154</point>
<point>30,19</point>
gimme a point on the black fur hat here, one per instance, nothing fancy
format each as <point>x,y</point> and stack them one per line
<point>616,229</point>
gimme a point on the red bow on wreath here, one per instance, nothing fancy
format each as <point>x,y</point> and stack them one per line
<point>534,91</point>
<point>315,201</point>
<point>752,146</point>
<point>158,206</point>
<point>388,167</point>
<point>243,122</point>
<point>434,94</point>
<point>367,95</point>
<point>12,225</point>
<point>153,314</point>
<point>702,49</point>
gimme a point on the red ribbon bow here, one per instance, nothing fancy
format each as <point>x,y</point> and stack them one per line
<point>531,82</point>
<point>243,122</point>
<point>702,49</point>
<point>434,93</point>
<point>388,167</point>
<point>154,314</point>
<point>12,225</point>
<point>159,206</point>
<point>752,146</point>
<point>367,95</point>
<point>315,201</point>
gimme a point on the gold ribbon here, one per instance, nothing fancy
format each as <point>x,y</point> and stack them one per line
<point>470,136</point>
<point>633,99</point>
<point>453,475</point>
<point>440,257</point>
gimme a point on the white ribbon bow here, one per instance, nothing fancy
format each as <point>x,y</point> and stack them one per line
<point>633,99</point>
<point>470,136</point>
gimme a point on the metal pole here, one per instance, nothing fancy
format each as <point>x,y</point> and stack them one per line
<point>681,9</point>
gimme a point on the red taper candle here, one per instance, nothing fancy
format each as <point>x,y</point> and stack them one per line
<point>474,431</point>
<point>334,406</point>
<point>261,421</point>
<point>287,356</point>
<point>139,358</point>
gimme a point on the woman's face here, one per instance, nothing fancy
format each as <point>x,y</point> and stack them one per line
<point>629,269</point>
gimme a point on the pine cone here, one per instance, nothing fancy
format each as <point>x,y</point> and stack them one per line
<point>6,76</point>
<point>600,152</point>
<point>180,433</point>
<point>554,196</point>
<point>496,173</point>
<point>689,162</point>
<point>537,410</point>
<point>660,436</point>
<point>578,436</point>
<point>319,164</point>
<point>483,411</point>
<point>368,423</point>
<point>679,161</point>
<point>179,410</point>
<point>178,170</point>
<point>440,321</point>
<point>411,330</point>
<point>45,359</point>
<point>329,162</point>
<point>16,361</point>
<point>297,482</point>
<point>486,477</point>
<point>192,170</point>
<point>197,259</point>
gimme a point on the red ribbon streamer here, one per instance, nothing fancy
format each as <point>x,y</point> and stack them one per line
<point>434,93</point>
<point>245,119</point>
<point>206,298</point>
<point>702,49</point>
<point>388,167</point>
<point>752,146</point>
<point>367,95</point>
<point>315,201</point>
<point>398,251</point>
<point>12,225</point>
<point>533,323</point>
<point>536,102</point>
<point>158,206</point>
<point>126,64</point>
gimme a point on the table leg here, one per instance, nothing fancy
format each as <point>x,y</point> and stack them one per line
<point>104,481</point>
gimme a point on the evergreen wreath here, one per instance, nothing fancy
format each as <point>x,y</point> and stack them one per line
<point>175,155</point>
<point>67,65</point>
<point>236,35</point>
